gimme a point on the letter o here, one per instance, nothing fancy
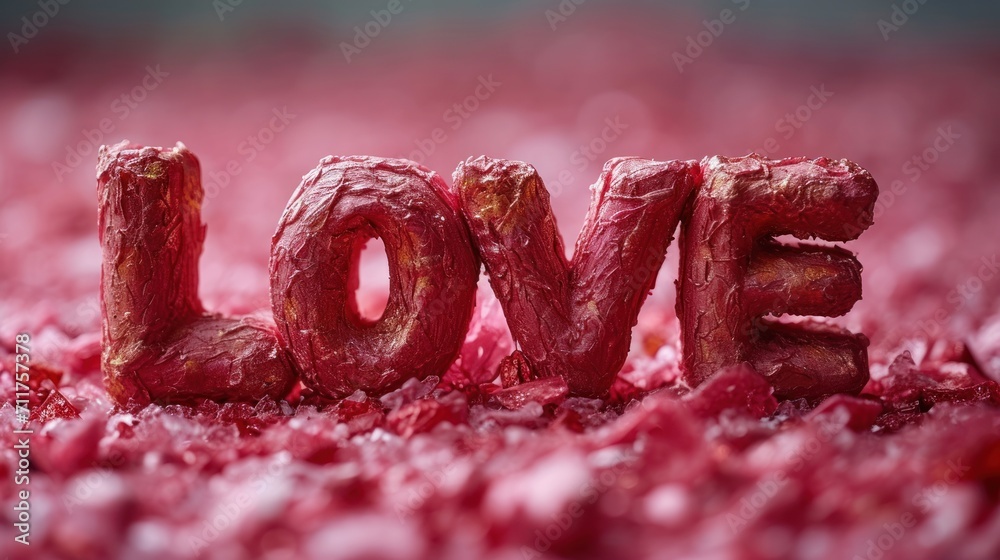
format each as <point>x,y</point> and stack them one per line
<point>211,190</point>
<point>974,284</point>
<point>813,446</point>
<point>471,103</point>
<point>607,478</point>
<point>314,272</point>
<point>93,480</point>
<point>417,156</point>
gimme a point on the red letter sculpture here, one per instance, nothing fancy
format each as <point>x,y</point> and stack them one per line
<point>314,273</point>
<point>733,272</point>
<point>159,344</point>
<point>569,319</point>
<point>573,320</point>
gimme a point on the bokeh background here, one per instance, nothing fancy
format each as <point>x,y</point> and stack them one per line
<point>260,91</point>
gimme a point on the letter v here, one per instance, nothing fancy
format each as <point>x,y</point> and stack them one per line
<point>574,319</point>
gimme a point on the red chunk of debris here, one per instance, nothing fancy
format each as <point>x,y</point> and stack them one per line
<point>862,413</point>
<point>735,388</point>
<point>55,406</point>
<point>548,390</point>
<point>418,417</point>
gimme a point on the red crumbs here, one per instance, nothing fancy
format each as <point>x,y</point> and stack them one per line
<point>54,406</point>
<point>737,388</point>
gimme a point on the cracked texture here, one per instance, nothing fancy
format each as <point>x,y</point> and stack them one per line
<point>573,319</point>
<point>733,272</point>
<point>314,273</point>
<point>159,343</point>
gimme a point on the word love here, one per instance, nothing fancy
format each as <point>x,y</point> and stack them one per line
<point>571,319</point>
